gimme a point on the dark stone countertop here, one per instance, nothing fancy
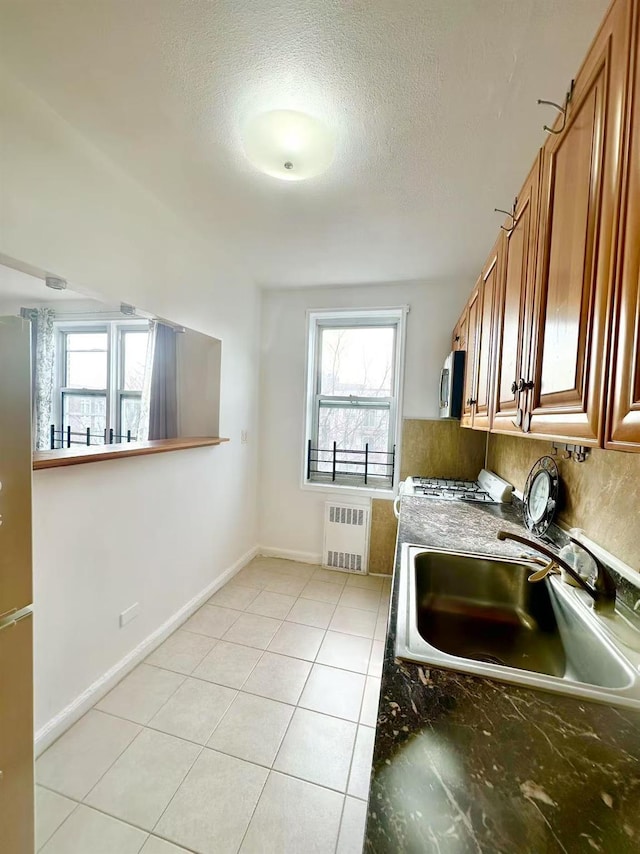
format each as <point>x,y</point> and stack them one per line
<point>469,764</point>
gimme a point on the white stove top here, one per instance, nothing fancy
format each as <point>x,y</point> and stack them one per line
<point>487,489</point>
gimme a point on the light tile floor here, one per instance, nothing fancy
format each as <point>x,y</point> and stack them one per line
<point>250,729</point>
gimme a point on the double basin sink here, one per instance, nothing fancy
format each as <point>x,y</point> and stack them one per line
<point>479,614</point>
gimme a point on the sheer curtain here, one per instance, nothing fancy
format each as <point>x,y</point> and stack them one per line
<point>163,398</point>
<point>43,371</point>
<point>145,398</point>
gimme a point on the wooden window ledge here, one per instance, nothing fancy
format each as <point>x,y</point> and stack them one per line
<point>100,453</point>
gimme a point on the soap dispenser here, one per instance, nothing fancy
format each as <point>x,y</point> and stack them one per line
<point>576,558</point>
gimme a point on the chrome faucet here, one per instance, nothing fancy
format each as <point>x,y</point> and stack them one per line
<point>603,589</point>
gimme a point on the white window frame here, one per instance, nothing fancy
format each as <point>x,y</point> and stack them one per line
<point>114,392</point>
<point>350,318</point>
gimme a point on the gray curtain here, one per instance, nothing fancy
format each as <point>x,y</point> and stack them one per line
<point>163,404</point>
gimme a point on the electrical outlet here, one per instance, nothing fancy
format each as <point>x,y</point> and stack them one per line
<point>244,437</point>
<point>129,614</point>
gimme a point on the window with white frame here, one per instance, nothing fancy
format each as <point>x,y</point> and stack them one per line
<point>353,397</point>
<point>100,368</point>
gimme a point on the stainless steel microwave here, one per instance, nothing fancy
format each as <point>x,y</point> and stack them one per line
<point>452,385</point>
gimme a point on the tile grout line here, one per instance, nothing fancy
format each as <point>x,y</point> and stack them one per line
<point>143,728</point>
<point>238,691</point>
<point>253,811</point>
<point>126,747</point>
<point>177,789</point>
<point>270,768</point>
<point>203,747</point>
<point>50,837</point>
<point>79,804</point>
<point>344,806</point>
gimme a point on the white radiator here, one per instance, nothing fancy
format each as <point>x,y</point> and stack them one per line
<point>346,537</point>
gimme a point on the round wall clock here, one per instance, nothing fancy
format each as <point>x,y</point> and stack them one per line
<point>541,495</point>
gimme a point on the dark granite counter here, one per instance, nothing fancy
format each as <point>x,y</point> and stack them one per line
<point>469,764</point>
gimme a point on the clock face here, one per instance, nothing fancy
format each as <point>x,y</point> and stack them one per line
<point>539,495</point>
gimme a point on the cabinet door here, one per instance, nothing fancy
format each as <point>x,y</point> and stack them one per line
<point>581,179</point>
<point>459,334</point>
<point>16,737</point>
<point>463,328</point>
<point>471,360</point>
<point>623,429</point>
<point>489,288</point>
<point>514,309</point>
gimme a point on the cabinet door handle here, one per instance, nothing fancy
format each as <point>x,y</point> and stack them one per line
<point>471,401</point>
<point>524,385</point>
<point>514,388</point>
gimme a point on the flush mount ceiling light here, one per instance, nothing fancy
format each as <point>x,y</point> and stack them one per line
<point>288,145</point>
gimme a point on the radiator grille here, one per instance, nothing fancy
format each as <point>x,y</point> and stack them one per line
<point>346,537</point>
<point>345,560</point>
<point>346,515</point>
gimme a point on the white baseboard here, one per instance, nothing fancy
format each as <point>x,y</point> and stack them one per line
<point>306,557</point>
<point>289,554</point>
<point>54,728</point>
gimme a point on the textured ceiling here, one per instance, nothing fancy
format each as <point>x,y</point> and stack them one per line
<point>433,103</point>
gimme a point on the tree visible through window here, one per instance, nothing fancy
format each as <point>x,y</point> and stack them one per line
<point>101,373</point>
<point>354,397</point>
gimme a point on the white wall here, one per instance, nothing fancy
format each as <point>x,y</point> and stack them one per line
<point>199,360</point>
<point>291,517</point>
<point>108,534</point>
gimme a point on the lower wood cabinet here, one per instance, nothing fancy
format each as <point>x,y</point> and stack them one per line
<point>623,425</point>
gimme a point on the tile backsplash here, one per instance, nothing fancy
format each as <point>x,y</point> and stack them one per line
<point>600,495</point>
<point>429,447</point>
<point>435,448</point>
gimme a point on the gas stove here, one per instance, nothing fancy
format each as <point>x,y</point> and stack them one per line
<point>487,489</point>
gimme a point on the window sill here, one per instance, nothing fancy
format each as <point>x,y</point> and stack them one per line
<point>101,453</point>
<point>383,493</point>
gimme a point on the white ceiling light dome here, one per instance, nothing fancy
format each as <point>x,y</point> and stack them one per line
<point>289,145</point>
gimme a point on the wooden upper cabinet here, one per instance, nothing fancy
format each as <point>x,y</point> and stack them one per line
<point>471,359</point>
<point>579,209</point>
<point>459,334</point>
<point>489,287</point>
<point>514,306</point>
<point>623,427</point>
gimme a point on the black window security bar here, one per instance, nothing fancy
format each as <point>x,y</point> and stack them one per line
<point>65,437</point>
<point>366,462</point>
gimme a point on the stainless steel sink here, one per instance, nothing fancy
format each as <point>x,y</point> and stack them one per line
<point>479,614</point>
